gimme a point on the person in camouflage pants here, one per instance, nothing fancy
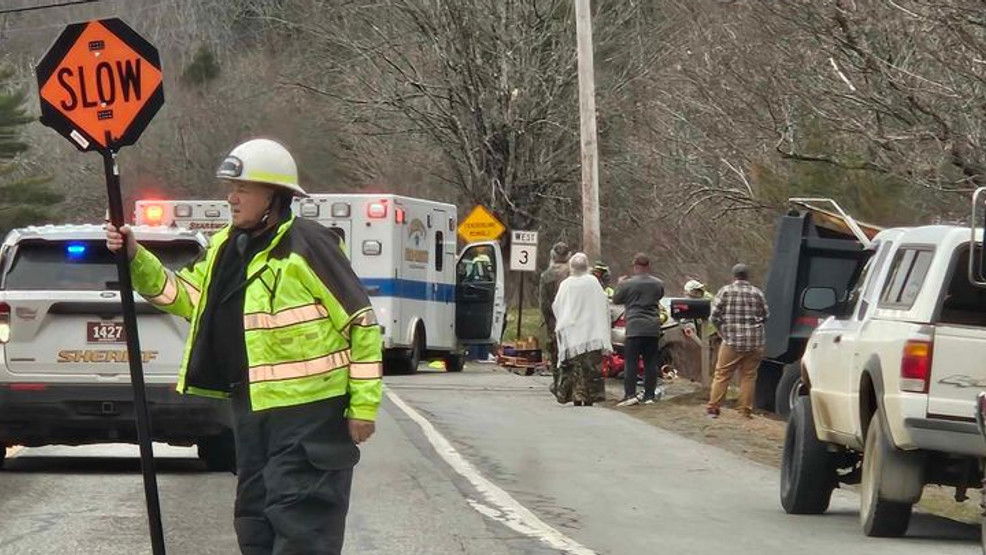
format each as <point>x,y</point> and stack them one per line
<point>583,332</point>
<point>551,278</point>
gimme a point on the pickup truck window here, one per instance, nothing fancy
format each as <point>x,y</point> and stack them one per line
<point>910,266</point>
<point>963,304</point>
<point>81,265</point>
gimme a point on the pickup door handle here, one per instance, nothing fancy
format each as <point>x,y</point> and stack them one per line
<point>838,339</point>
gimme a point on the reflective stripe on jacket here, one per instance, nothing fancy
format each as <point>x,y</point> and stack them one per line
<point>310,329</point>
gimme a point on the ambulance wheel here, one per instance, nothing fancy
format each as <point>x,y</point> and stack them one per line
<point>417,350</point>
<point>454,362</point>
<point>407,362</point>
<point>218,452</point>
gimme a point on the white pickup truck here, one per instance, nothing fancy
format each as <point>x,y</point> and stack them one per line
<point>890,381</point>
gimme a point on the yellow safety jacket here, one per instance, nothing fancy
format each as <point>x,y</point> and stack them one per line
<point>310,329</point>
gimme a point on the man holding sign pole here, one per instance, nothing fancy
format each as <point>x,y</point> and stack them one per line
<point>281,325</point>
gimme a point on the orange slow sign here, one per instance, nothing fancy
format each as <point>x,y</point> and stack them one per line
<point>100,84</point>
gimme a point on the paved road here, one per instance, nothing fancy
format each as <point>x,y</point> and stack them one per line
<point>522,469</point>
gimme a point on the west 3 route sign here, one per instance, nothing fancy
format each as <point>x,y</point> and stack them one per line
<point>100,85</point>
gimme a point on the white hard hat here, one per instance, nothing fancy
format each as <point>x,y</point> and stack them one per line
<point>262,161</point>
<point>694,285</point>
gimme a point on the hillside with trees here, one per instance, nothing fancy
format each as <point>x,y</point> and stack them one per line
<point>711,112</point>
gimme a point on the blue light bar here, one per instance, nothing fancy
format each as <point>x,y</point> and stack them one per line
<point>75,251</point>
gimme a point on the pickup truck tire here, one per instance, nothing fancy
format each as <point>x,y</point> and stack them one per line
<point>218,452</point>
<point>788,389</point>
<point>890,478</point>
<point>808,469</point>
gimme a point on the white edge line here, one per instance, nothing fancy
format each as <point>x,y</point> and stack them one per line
<point>504,509</point>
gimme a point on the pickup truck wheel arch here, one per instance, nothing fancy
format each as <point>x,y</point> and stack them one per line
<point>870,392</point>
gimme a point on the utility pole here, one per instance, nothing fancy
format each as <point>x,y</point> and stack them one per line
<point>591,244</point>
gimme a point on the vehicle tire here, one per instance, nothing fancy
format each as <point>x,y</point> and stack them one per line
<point>808,469</point>
<point>788,390</point>
<point>416,351</point>
<point>768,375</point>
<point>218,452</point>
<point>454,362</point>
<point>886,467</point>
<point>982,526</point>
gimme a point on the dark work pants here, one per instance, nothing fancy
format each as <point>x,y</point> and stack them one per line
<point>294,472</point>
<point>633,349</point>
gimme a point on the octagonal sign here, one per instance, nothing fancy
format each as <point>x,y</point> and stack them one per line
<point>100,85</point>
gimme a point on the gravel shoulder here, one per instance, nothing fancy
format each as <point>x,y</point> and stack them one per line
<point>760,439</point>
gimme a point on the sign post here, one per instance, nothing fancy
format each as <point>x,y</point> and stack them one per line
<point>523,259</point>
<point>100,85</point>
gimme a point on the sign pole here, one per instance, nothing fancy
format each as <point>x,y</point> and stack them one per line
<point>134,357</point>
<point>520,306</point>
<point>100,84</point>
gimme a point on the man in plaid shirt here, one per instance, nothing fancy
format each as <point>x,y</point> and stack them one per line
<point>738,312</point>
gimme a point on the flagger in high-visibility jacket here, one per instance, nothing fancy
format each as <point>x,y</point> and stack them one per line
<point>282,326</point>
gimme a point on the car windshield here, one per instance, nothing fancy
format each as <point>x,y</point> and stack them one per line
<point>81,265</point>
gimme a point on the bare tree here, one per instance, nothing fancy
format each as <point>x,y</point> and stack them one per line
<point>491,84</point>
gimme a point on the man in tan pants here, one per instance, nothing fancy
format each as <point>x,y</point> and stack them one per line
<point>739,312</point>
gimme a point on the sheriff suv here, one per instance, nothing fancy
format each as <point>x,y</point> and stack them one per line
<point>64,374</point>
<point>890,381</point>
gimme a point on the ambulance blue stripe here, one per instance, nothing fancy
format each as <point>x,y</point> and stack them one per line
<point>409,289</point>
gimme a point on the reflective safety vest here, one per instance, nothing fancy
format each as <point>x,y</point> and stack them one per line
<point>310,329</point>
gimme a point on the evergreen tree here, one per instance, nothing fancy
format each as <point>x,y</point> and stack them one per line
<point>204,68</point>
<point>23,200</point>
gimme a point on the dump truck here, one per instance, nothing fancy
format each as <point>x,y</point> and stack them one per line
<point>814,247</point>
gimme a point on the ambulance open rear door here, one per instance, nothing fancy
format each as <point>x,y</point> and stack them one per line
<point>480,303</point>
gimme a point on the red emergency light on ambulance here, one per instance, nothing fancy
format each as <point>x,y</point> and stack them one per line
<point>428,300</point>
<point>207,216</point>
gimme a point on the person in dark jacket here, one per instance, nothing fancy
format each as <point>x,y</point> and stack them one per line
<point>641,296</point>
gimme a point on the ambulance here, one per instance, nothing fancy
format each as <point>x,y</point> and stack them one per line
<point>430,300</point>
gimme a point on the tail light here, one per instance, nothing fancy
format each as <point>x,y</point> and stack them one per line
<point>22,386</point>
<point>399,215</point>
<point>915,367</point>
<point>4,322</point>
<point>808,321</point>
<point>376,210</point>
<point>154,214</point>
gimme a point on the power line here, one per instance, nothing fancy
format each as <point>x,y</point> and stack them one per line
<point>45,6</point>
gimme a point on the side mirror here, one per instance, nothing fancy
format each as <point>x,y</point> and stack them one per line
<point>820,299</point>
